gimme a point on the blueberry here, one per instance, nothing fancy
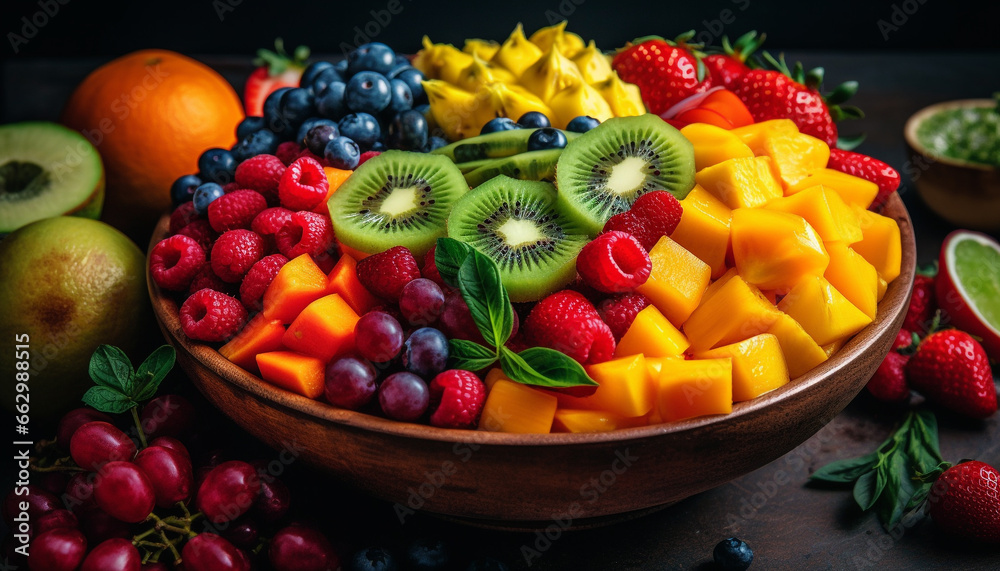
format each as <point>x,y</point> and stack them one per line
<point>362,128</point>
<point>204,195</point>
<point>342,153</point>
<point>424,108</point>
<point>402,98</point>
<point>183,189</point>
<point>732,555</point>
<point>323,80</point>
<point>398,67</point>
<point>499,124</point>
<point>486,564</point>
<point>297,105</point>
<point>312,71</point>
<point>425,352</point>
<point>341,67</point>
<point>435,143</point>
<point>317,137</point>
<point>534,119</point>
<point>546,138</point>
<point>217,165</point>
<point>427,555</point>
<point>272,109</point>
<point>582,124</point>
<point>372,559</point>
<point>331,103</point>
<point>300,135</point>
<point>368,92</point>
<point>249,125</point>
<point>408,131</point>
<point>263,142</point>
<point>412,78</point>
<point>377,146</point>
<point>374,56</point>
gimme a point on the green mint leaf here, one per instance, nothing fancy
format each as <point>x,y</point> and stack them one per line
<point>107,399</point>
<point>845,471</point>
<point>543,367</point>
<point>448,257</point>
<point>469,355</point>
<point>482,290</point>
<point>110,367</point>
<point>152,371</point>
<point>866,490</point>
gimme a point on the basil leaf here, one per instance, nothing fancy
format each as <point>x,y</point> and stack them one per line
<point>543,367</point>
<point>152,371</point>
<point>520,371</point>
<point>107,399</point>
<point>865,492</point>
<point>845,471</point>
<point>110,367</point>
<point>469,355</point>
<point>448,257</point>
<point>928,431</point>
<point>482,290</point>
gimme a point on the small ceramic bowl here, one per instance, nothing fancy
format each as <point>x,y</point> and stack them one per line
<point>528,481</point>
<point>963,193</point>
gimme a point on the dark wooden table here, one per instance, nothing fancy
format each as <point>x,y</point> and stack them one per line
<point>789,524</point>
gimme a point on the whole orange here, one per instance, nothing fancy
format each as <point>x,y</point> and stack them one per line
<point>151,113</point>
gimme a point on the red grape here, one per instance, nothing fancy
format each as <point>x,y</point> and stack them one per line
<point>404,396</point>
<point>156,566</point>
<point>378,336</point>
<point>173,444</point>
<point>301,548</point>
<point>167,415</point>
<point>96,443</point>
<point>73,420</point>
<point>242,533</point>
<point>124,491</point>
<point>55,519</point>
<point>39,503</point>
<point>229,490</point>
<point>209,552</point>
<point>425,352</point>
<point>169,473</point>
<point>421,301</point>
<point>80,491</point>
<point>60,549</point>
<point>113,555</point>
<point>54,482</point>
<point>99,526</point>
<point>274,500</point>
<point>350,382</point>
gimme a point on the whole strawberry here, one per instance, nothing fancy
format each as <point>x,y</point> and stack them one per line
<point>951,369</point>
<point>863,166</point>
<point>728,67</point>
<point>770,94</point>
<point>965,502</point>
<point>920,313</point>
<point>665,71</point>
<point>888,384</point>
<point>567,322</point>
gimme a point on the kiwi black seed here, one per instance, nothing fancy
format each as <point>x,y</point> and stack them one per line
<point>606,169</point>
<point>519,226</point>
<point>398,198</point>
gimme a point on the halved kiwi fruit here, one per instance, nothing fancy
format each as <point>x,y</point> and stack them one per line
<point>519,226</point>
<point>602,172</point>
<point>396,199</point>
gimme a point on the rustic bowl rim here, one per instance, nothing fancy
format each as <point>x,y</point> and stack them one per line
<point>914,121</point>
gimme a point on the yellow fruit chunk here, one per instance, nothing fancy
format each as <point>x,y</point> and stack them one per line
<point>758,365</point>
<point>795,155</point>
<point>553,72</point>
<point>652,335</point>
<point>517,53</point>
<point>853,276</point>
<point>495,374</point>
<point>480,73</point>
<point>624,388</point>
<point>580,99</point>
<point>832,348</point>
<point>481,48</point>
<point>677,280</point>
<point>593,64</point>
<point>881,244</point>
<point>736,311</point>
<point>514,101</point>
<point>717,284</point>
<point>704,227</point>
<point>569,420</point>
<point>459,113</point>
<point>800,351</point>
<point>655,364</point>
<point>741,183</point>
<point>774,250</point>
<point>756,134</point>
<point>825,211</point>
<point>624,98</point>
<point>712,145</point>
<point>687,389</point>
<point>556,35</point>
<point>882,286</point>
<point>513,407</point>
<point>821,310</point>
<point>855,191</point>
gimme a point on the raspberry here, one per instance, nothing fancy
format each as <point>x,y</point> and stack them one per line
<point>619,312</point>
<point>303,186</point>
<point>183,215</point>
<point>261,173</point>
<point>230,187</point>
<point>236,209</point>
<point>206,278</point>
<point>234,253</point>
<point>613,262</point>
<point>175,261</point>
<point>258,278</point>
<point>457,399</point>
<point>430,270</point>
<point>305,233</point>
<point>309,154</point>
<point>209,315</point>
<point>270,220</point>
<point>888,384</point>
<point>201,231</point>
<point>652,216</point>
<point>385,273</point>
<point>367,155</point>
<point>287,152</point>
<point>567,322</point>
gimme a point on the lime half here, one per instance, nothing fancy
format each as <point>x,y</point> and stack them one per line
<point>969,287</point>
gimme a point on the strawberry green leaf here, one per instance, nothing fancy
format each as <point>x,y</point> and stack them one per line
<point>842,93</point>
<point>469,355</point>
<point>107,399</point>
<point>110,367</point>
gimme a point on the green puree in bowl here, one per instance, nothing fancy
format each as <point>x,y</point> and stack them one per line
<point>969,134</point>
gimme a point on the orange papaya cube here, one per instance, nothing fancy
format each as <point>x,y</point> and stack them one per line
<point>758,365</point>
<point>704,228</point>
<point>624,388</point>
<point>259,335</point>
<point>800,351</point>
<point>654,416</point>
<point>831,348</point>
<point>324,329</point>
<point>881,244</point>
<point>755,134</point>
<point>567,420</point>
<point>712,145</point>
<point>854,190</point>
<point>687,389</point>
<point>853,276</point>
<point>343,280</point>
<point>825,211</point>
<point>774,250</point>
<point>821,310</point>
<point>741,183</point>
<point>676,281</point>
<point>301,374</point>
<point>335,177</point>
<point>882,287</point>
<point>651,334</point>
<point>297,284</point>
<point>717,284</point>
<point>513,407</point>
<point>655,364</point>
<point>795,155</point>
<point>735,312</point>
<point>493,375</point>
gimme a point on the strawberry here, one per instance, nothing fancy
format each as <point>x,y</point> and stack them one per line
<point>865,167</point>
<point>728,67</point>
<point>920,313</point>
<point>275,70</point>
<point>951,369</point>
<point>665,71</point>
<point>888,384</point>
<point>965,502</point>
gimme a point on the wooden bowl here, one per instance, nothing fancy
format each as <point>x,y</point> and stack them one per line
<point>963,193</point>
<point>531,481</point>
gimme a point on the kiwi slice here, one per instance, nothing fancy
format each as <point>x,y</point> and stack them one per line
<point>532,165</point>
<point>602,172</point>
<point>518,225</point>
<point>47,170</point>
<point>398,198</point>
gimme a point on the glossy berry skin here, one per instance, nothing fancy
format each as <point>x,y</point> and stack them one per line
<point>56,519</point>
<point>951,369</point>
<point>421,301</point>
<point>408,131</point>
<point>403,396</point>
<point>262,142</point>
<point>964,502</point>
<point>321,133</point>
<point>124,492</point>
<point>168,415</point>
<point>323,80</point>
<point>732,555</point>
<point>182,190</point>
<point>868,168</point>
<point>499,124</point>
<point>546,138</point>
<point>652,216</point>
<point>665,73</point>
<point>273,502</point>
<point>920,312</point>
<point>386,273</point>
<point>113,555</point>
<point>534,120</point>
<point>296,105</point>
<point>342,153</point>
<point>619,312</point>
<point>401,96</point>
<point>614,262</point>
<point>412,77</point>
<point>425,352</point>
<point>228,491</point>
<point>249,125</point>
<point>301,548</point>
<point>242,533</point>
<point>435,143</point>
<point>566,321</point>
<point>217,165</point>
<point>368,92</point>
<point>350,383</point>
<point>582,124</point>
<point>99,526</point>
<point>205,195</point>
<point>373,559</point>
<point>210,552</point>
<point>169,472</point>
<point>171,443</point>
<point>378,336</point>
<point>373,56</point>
<point>427,555</point>
<point>74,419</point>
<point>57,550</point>
<point>330,103</point>
<point>39,502</point>
<point>97,443</point>
<point>313,70</point>
<point>362,128</point>
<point>888,384</point>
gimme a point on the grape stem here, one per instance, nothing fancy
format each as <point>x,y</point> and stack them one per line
<point>138,425</point>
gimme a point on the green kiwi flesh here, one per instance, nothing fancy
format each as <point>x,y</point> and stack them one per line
<point>519,226</point>
<point>532,165</point>
<point>493,145</point>
<point>606,169</point>
<point>398,198</point>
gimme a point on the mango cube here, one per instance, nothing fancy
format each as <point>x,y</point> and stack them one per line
<point>881,244</point>
<point>854,277</point>
<point>800,351</point>
<point>717,284</point>
<point>712,145</point>
<point>577,421</point>
<point>735,312</point>
<point>774,250</point>
<point>854,190</point>
<point>756,134</point>
<point>513,407</point>
<point>624,388</point>
<point>795,155</point>
<point>825,314</point>
<point>758,365</point>
<point>742,183</point>
<point>832,348</point>
<point>655,364</point>
<point>687,389</point>
<point>704,228</point>
<point>651,334</point>
<point>493,375</point>
<point>825,211</point>
<point>882,287</point>
<point>677,280</point>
